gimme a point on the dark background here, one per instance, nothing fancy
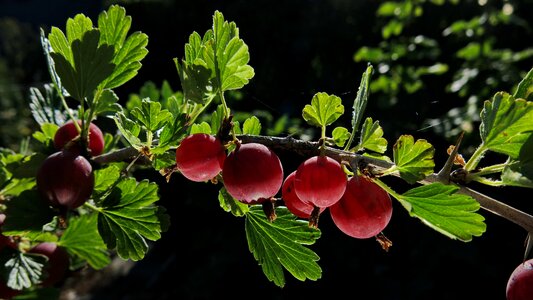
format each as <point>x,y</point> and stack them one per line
<point>297,48</point>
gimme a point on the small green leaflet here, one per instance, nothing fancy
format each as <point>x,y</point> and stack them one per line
<point>25,270</point>
<point>195,77</point>
<point>91,64</point>
<point>520,172</point>
<point>27,214</point>
<point>525,87</point>
<point>228,55</point>
<point>323,110</point>
<point>203,127</point>
<point>340,136</point>
<point>107,104</point>
<point>129,129</point>
<point>506,124</point>
<point>81,239</point>
<point>279,244</point>
<point>151,115</point>
<point>251,126</point>
<point>128,52</point>
<point>372,137</point>
<point>105,178</point>
<point>217,62</point>
<point>359,104</point>
<point>127,217</point>
<point>47,108</point>
<point>47,133</point>
<point>413,160</point>
<point>441,208</point>
<point>230,204</point>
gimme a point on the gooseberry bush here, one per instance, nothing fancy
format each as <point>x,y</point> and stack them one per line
<point>71,201</point>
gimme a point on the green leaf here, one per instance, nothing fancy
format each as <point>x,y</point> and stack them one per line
<point>105,178</point>
<point>91,65</point>
<point>150,115</point>
<point>47,108</point>
<point>196,81</point>
<point>17,186</point>
<point>217,117</point>
<point>340,136</point>
<point>81,238</point>
<point>279,244</point>
<point>230,204</point>
<point>47,133</point>
<point>441,208</point>
<point>203,127</point>
<point>506,124</point>
<point>520,172</point>
<point>129,129</point>
<point>127,217</point>
<point>114,25</point>
<point>171,134</point>
<point>128,60</point>
<point>324,110</point>
<point>525,87</point>
<point>26,215</point>
<point>107,104</point>
<point>372,137</point>
<point>251,126</point>
<point>413,160</point>
<point>229,55</point>
<point>24,270</point>
<point>359,104</point>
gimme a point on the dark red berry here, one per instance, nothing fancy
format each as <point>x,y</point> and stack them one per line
<point>65,179</point>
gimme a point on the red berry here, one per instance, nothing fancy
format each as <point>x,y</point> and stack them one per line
<point>200,157</point>
<point>68,131</point>
<point>320,181</point>
<point>294,204</point>
<point>65,179</point>
<point>57,264</point>
<point>6,292</point>
<point>364,210</point>
<point>520,284</point>
<point>252,173</point>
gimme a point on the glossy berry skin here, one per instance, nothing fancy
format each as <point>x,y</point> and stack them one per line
<point>68,131</point>
<point>320,181</point>
<point>294,204</point>
<point>65,179</point>
<point>364,210</point>
<point>200,157</point>
<point>520,284</point>
<point>252,173</point>
<point>57,265</point>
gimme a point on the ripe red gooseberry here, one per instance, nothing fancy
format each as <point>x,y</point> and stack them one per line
<point>252,173</point>
<point>364,210</point>
<point>67,132</point>
<point>200,157</point>
<point>520,284</point>
<point>65,179</point>
<point>294,204</point>
<point>320,181</point>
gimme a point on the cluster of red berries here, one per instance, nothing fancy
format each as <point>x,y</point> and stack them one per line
<point>253,173</point>
<point>65,178</point>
